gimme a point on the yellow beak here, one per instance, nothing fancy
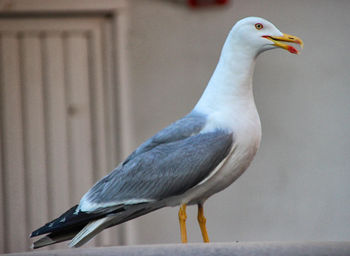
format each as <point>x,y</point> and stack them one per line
<point>286,38</point>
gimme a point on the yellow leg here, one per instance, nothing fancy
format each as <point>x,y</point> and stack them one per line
<point>202,221</point>
<point>182,220</point>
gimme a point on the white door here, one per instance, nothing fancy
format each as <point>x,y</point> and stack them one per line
<point>57,124</point>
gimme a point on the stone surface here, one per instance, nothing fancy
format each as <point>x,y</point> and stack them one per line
<point>222,249</point>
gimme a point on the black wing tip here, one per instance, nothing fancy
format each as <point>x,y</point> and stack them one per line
<point>52,225</point>
<point>68,220</point>
<point>39,231</point>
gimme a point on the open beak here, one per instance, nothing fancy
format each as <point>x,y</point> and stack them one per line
<point>278,41</point>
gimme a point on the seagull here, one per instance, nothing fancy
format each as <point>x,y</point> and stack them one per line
<point>191,159</point>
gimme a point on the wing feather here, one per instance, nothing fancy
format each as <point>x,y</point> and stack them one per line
<point>163,167</point>
<point>183,128</point>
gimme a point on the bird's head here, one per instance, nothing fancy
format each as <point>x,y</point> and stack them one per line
<point>260,35</point>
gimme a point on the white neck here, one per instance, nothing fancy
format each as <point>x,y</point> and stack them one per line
<point>231,82</point>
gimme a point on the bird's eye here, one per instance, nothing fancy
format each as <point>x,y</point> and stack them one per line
<point>259,26</point>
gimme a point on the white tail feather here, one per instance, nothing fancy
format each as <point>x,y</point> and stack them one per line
<point>42,242</point>
<point>90,230</point>
<point>47,240</point>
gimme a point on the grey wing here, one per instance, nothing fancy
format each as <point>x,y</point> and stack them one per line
<point>190,125</point>
<point>164,171</point>
<point>174,160</point>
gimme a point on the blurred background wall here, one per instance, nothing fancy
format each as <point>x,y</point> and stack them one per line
<point>297,186</point>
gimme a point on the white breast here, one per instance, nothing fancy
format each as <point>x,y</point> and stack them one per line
<point>228,103</point>
<point>247,136</point>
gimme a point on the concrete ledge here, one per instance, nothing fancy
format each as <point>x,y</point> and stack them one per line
<point>220,249</point>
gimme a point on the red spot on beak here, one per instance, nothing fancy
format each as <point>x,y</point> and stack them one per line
<point>291,49</point>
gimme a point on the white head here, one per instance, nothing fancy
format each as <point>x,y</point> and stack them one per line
<point>230,87</point>
<point>258,35</point>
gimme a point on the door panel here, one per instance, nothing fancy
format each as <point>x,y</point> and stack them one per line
<point>56,131</point>
<point>12,129</point>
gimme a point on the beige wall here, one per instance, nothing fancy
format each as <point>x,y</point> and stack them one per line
<point>58,110</point>
<point>297,187</point>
